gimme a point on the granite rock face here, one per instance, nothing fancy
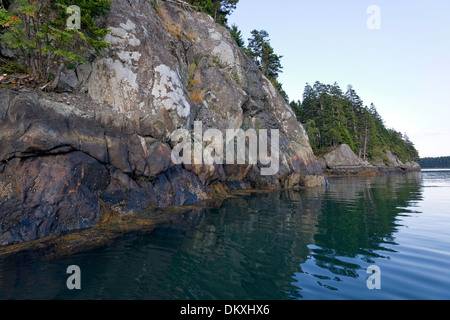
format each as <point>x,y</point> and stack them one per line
<point>64,157</point>
<point>343,156</point>
<point>167,68</point>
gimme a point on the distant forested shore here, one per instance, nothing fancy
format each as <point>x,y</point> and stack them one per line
<point>332,117</point>
<point>435,163</point>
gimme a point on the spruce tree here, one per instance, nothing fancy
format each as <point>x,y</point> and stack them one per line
<point>218,9</point>
<point>263,54</point>
<point>237,36</point>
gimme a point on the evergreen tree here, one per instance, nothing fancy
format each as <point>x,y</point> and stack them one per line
<point>296,106</point>
<point>218,9</point>
<point>307,108</point>
<point>331,118</point>
<point>237,36</point>
<point>37,31</point>
<point>263,54</point>
<point>313,133</point>
<point>353,97</point>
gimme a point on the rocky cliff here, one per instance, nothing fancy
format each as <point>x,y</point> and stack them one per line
<point>343,160</point>
<point>66,158</point>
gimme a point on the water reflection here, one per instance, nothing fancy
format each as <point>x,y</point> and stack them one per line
<point>359,219</point>
<point>289,245</point>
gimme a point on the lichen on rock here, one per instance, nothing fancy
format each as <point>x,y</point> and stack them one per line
<point>168,91</point>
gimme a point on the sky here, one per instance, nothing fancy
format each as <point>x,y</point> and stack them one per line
<point>402,65</point>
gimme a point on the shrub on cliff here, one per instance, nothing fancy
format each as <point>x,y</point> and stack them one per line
<point>218,9</point>
<point>47,33</point>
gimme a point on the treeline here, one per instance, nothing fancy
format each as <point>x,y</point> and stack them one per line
<point>332,117</point>
<point>218,9</point>
<point>433,163</point>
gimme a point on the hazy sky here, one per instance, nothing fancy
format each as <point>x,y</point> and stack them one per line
<point>403,67</point>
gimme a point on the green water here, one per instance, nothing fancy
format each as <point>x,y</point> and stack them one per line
<point>309,244</point>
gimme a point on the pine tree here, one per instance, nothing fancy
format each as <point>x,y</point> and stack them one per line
<point>263,54</point>
<point>218,9</point>
<point>37,31</point>
<point>237,36</point>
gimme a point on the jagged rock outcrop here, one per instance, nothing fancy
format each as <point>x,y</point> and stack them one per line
<point>343,160</point>
<point>64,158</point>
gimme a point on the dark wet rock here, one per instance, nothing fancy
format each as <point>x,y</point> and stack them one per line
<point>68,80</point>
<point>49,194</point>
<point>165,190</point>
<point>186,187</point>
<point>158,157</point>
<point>123,194</point>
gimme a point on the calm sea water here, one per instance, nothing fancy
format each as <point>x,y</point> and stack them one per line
<point>310,244</point>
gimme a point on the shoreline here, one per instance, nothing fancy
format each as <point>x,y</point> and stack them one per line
<point>364,171</point>
<point>112,225</point>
